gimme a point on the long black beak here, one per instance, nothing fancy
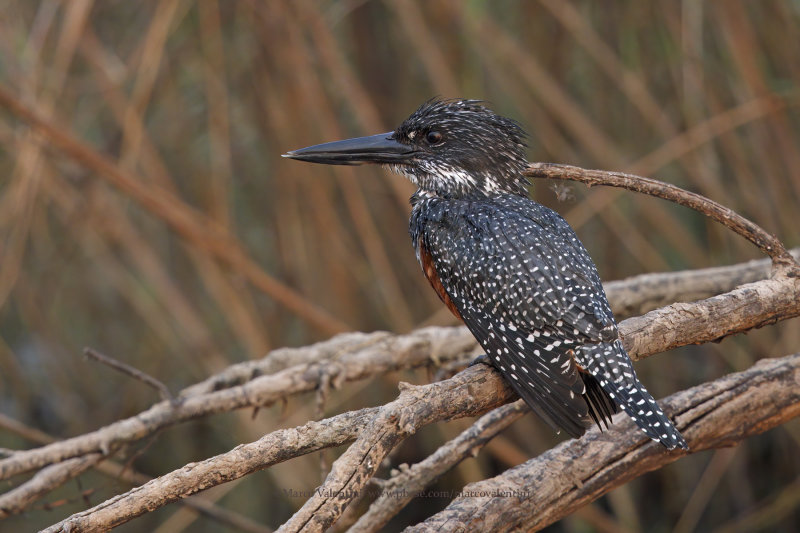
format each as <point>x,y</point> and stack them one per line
<point>381,148</point>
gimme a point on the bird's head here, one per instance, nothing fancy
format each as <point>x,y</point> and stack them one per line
<point>451,148</point>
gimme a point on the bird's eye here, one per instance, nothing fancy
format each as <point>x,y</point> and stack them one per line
<point>433,137</point>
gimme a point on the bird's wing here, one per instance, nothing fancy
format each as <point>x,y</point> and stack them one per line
<point>530,294</point>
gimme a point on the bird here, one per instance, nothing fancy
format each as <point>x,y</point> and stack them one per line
<point>511,269</point>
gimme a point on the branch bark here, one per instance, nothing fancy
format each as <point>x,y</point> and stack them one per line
<point>472,392</point>
<point>18,499</point>
<point>244,459</point>
<point>469,393</point>
<point>639,294</point>
<point>397,492</point>
<point>747,307</point>
<point>539,492</point>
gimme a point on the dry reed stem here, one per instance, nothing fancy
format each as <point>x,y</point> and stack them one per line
<point>184,220</point>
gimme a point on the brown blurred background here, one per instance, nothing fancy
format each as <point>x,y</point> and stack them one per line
<point>226,251</point>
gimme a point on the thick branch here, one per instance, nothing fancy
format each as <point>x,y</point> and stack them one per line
<point>639,294</point>
<point>766,242</point>
<point>242,460</point>
<point>368,355</point>
<point>472,392</point>
<point>747,307</point>
<point>539,492</point>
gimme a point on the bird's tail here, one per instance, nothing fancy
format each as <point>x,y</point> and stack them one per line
<point>612,368</point>
<point>601,406</point>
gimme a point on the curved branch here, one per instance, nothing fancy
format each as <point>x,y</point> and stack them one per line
<point>766,242</point>
<point>539,492</point>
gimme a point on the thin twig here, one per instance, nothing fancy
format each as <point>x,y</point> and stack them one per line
<point>128,370</point>
<point>751,231</point>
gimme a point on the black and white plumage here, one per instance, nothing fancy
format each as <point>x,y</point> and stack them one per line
<point>513,270</point>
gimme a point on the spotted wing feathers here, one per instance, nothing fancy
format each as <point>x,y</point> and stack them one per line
<point>529,292</point>
<point>550,383</point>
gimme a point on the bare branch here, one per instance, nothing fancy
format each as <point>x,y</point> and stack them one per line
<point>747,307</point>
<point>355,356</point>
<point>128,370</point>
<point>242,460</point>
<point>18,499</point>
<point>118,472</point>
<point>403,486</point>
<point>364,359</point>
<point>382,351</point>
<point>350,356</point>
<point>766,242</point>
<point>539,492</point>
<point>639,294</point>
<point>472,392</point>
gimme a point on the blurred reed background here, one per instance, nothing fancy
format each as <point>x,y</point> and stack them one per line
<point>242,251</point>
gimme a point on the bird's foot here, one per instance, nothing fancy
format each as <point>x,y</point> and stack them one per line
<point>482,359</point>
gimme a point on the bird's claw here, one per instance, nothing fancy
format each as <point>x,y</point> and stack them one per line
<point>482,359</point>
